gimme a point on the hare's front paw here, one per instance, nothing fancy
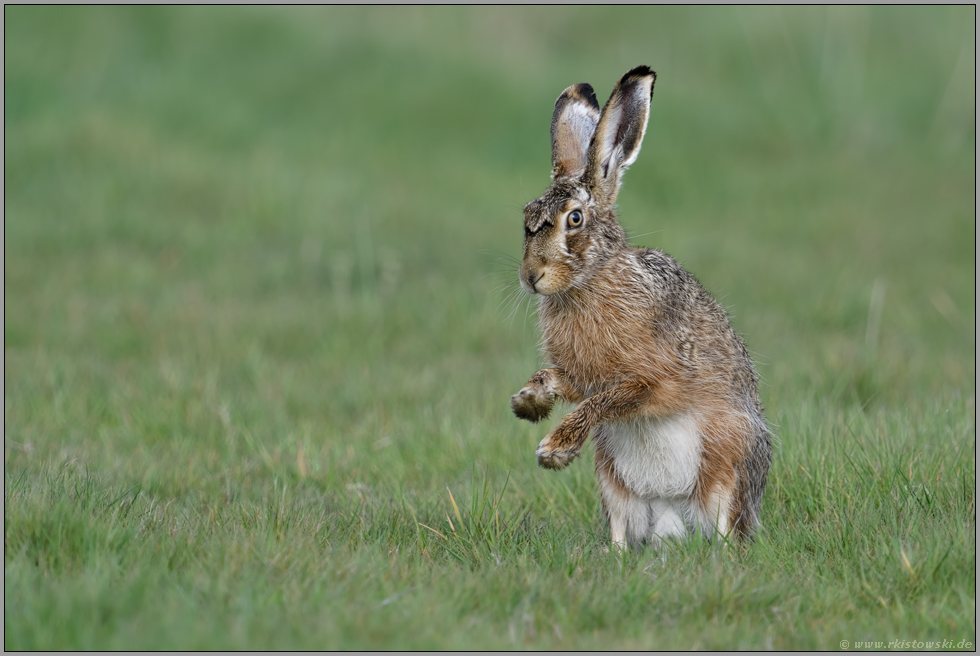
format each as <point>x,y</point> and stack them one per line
<point>557,450</point>
<point>533,403</point>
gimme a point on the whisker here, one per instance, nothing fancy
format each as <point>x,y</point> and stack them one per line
<point>645,234</point>
<point>511,299</point>
<point>517,307</point>
<point>524,332</point>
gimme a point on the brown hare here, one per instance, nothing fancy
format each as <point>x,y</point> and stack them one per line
<point>659,376</point>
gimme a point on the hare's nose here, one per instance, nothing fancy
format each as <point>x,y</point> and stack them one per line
<point>534,278</point>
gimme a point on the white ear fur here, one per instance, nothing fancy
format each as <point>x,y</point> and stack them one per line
<point>619,135</point>
<point>572,126</point>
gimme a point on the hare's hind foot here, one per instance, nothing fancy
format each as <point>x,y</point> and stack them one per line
<point>634,521</point>
<point>714,515</point>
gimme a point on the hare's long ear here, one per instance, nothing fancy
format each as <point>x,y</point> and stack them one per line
<point>617,138</point>
<point>576,115</point>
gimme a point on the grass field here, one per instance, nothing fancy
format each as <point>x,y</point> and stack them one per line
<point>258,344</point>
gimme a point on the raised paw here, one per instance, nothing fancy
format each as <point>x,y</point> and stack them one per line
<point>533,403</point>
<point>554,453</point>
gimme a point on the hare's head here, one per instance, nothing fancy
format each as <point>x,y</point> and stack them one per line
<point>571,230</point>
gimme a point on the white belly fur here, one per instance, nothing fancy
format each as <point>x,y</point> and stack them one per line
<point>655,457</point>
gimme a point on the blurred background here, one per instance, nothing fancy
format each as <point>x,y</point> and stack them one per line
<point>306,221</point>
<point>261,313</point>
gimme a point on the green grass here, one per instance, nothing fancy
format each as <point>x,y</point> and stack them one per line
<point>258,346</point>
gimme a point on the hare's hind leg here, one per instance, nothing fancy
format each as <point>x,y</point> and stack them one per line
<point>714,513</point>
<point>629,518</point>
<point>666,520</point>
<point>633,519</point>
<point>718,499</point>
<point>752,484</point>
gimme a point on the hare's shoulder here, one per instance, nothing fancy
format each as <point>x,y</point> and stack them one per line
<point>665,272</point>
<point>686,315</point>
<point>676,292</point>
<point>657,261</point>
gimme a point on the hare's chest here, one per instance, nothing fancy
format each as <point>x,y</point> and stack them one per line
<point>655,457</point>
<point>594,350</point>
<point>587,365</point>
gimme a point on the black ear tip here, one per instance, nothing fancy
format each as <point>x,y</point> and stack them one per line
<point>588,93</point>
<point>641,71</point>
<point>581,92</point>
<point>638,73</point>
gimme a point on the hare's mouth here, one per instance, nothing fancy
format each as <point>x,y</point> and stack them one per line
<point>544,282</point>
<point>533,279</point>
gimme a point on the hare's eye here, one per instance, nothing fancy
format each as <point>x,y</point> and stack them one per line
<point>574,219</point>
